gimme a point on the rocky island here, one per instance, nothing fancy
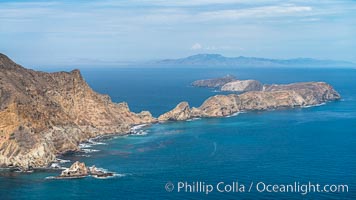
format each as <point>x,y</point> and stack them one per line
<point>229,83</point>
<point>214,82</point>
<point>270,97</point>
<point>43,115</point>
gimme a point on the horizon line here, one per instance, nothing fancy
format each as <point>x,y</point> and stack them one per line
<point>101,62</point>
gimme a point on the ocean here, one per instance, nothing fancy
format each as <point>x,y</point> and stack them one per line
<point>239,156</point>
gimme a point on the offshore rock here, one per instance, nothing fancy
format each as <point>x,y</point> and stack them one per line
<point>80,170</point>
<point>97,173</point>
<point>77,170</point>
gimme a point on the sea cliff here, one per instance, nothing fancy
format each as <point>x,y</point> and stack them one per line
<point>270,97</point>
<point>43,115</point>
<point>46,114</point>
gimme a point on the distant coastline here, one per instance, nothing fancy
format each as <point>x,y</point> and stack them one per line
<point>202,61</point>
<point>218,60</point>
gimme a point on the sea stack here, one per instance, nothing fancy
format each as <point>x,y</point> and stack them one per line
<point>77,170</point>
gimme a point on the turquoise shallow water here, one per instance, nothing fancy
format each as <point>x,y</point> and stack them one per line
<point>315,144</point>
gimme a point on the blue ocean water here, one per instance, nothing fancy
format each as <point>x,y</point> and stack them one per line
<point>315,144</point>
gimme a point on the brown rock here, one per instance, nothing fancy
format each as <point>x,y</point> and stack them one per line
<point>242,86</point>
<point>272,97</point>
<point>312,92</point>
<point>45,114</point>
<point>218,106</point>
<point>180,112</point>
<point>77,170</point>
<point>99,173</point>
<point>215,82</point>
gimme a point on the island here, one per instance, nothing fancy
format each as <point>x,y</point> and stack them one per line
<point>214,82</point>
<point>229,83</point>
<point>43,115</point>
<point>270,97</point>
<point>214,60</point>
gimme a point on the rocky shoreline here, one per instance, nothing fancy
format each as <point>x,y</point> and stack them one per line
<point>269,98</point>
<point>214,82</point>
<point>43,115</point>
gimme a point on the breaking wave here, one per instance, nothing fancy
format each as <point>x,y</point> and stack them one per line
<point>137,130</point>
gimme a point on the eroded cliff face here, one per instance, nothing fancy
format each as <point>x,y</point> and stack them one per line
<point>272,97</point>
<point>242,86</point>
<point>214,82</point>
<point>180,112</point>
<point>45,114</point>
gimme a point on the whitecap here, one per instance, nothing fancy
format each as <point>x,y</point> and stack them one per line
<point>55,166</point>
<point>115,175</point>
<point>89,150</point>
<point>93,142</point>
<point>84,145</point>
<point>62,160</point>
<point>101,169</point>
<point>141,132</point>
<point>83,155</point>
<point>309,106</point>
<point>90,143</point>
<point>120,175</point>
<point>193,119</point>
<point>138,126</point>
<point>137,130</point>
<point>233,115</point>
<point>108,177</point>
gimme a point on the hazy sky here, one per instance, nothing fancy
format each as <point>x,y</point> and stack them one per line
<point>76,32</point>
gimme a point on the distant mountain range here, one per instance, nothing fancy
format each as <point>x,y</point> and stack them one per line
<point>219,60</point>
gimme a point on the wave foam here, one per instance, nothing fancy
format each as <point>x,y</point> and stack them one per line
<point>93,142</point>
<point>193,119</point>
<point>83,155</point>
<point>62,160</point>
<point>316,105</point>
<point>56,166</point>
<point>137,130</point>
<point>89,150</point>
<point>233,115</point>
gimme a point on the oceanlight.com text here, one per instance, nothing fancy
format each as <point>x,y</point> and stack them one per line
<point>259,186</point>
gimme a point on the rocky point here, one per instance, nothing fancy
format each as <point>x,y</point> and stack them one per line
<point>46,114</point>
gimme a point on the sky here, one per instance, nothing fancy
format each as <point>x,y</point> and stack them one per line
<point>94,32</point>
